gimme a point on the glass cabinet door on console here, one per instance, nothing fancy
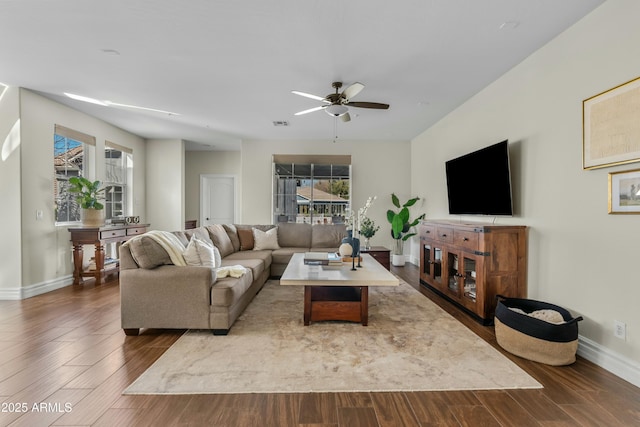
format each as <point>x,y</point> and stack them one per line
<point>431,263</point>
<point>437,265</point>
<point>453,275</point>
<point>425,261</point>
<point>470,280</point>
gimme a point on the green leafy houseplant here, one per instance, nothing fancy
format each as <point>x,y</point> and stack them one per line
<point>401,225</point>
<point>368,227</point>
<point>88,194</point>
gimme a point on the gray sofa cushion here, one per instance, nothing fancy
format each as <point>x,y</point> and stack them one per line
<point>256,266</point>
<point>148,253</point>
<point>228,290</point>
<point>232,232</point>
<point>237,257</point>
<point>201,232</point>
<point>292,235</point>
<point>327,235</point>
<point>283,255</point>
<point>220,239</point>
<point>257,261</point>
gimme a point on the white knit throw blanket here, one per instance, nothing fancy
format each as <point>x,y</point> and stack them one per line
<point>169,243</point>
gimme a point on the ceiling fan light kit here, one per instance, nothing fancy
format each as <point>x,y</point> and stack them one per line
<point>336,110</point>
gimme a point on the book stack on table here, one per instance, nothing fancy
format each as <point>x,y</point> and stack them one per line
<point>322,258</point>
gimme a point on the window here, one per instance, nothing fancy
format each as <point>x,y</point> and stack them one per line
<point>71,152</point>
<point>311,189</point>
<point>118,169</point>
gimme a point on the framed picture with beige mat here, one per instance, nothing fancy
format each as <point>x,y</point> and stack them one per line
<point>611,129</point>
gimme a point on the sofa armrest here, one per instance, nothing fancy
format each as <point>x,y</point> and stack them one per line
<point>166,297</point>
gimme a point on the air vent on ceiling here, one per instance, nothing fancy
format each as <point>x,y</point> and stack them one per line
<point>280,123</point>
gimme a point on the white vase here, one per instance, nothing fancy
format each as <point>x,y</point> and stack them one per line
<point>398,260</point>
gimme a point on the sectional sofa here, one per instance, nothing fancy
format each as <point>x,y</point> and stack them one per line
<point>157,293</point>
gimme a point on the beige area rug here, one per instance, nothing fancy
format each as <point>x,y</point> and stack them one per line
<point>410,344</point>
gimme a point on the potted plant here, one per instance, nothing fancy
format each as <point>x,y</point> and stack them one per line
<point>401,227</point>
<point>88,195</point>
<point>368,229</point>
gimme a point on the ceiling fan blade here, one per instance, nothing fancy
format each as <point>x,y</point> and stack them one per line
<point>310,110</point>
<point>345,117</point>
<point>352,90</point>
<point>308,95</point>
<point>375,105</point>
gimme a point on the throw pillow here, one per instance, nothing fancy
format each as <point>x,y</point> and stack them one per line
<point>232,232</point>
<point>265,239</point>
<point>246,239</point>
<point>148,253</point>
<point>201,232</point>
<point>217,257</point>
<point>198,252</point>
<point>220,239</point>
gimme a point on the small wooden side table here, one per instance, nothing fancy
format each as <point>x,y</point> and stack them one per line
<point>99,236</point>
<point>381,254</point>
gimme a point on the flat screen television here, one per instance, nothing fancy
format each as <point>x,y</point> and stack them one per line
<point>479,183</point>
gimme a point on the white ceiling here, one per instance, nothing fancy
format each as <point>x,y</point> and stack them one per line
<point>227,67</point>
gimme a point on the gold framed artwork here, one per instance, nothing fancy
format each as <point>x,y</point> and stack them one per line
<point>611,128</point>
<point>624,192</point>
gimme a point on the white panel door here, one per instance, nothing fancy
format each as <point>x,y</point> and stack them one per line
<point>217,199</point>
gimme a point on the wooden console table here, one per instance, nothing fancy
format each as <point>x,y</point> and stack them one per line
<point>380,254</point>
<point>470,263</point>
<point>99,236</point>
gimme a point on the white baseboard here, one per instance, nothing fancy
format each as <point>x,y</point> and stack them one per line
<point>615,363</point>
<point>10,294</point>
<point>35,289</point>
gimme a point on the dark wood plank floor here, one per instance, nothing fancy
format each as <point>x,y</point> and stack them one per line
<point>65,361</point>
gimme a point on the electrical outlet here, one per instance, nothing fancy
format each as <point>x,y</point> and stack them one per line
<point>620,329</point>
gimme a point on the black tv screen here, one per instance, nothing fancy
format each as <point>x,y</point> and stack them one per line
<point>479,183</point>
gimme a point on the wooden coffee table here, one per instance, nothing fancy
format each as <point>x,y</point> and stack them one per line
<point>336,293</point>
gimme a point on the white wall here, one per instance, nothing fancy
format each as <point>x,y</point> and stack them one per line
<point>10,249</point>
<point>379,168</point>
<point>579,256</point>
<point>45,251</point>
<point>207,162</point>
<point>165,184</point>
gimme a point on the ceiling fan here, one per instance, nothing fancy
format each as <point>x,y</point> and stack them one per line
<point>336,104</point>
